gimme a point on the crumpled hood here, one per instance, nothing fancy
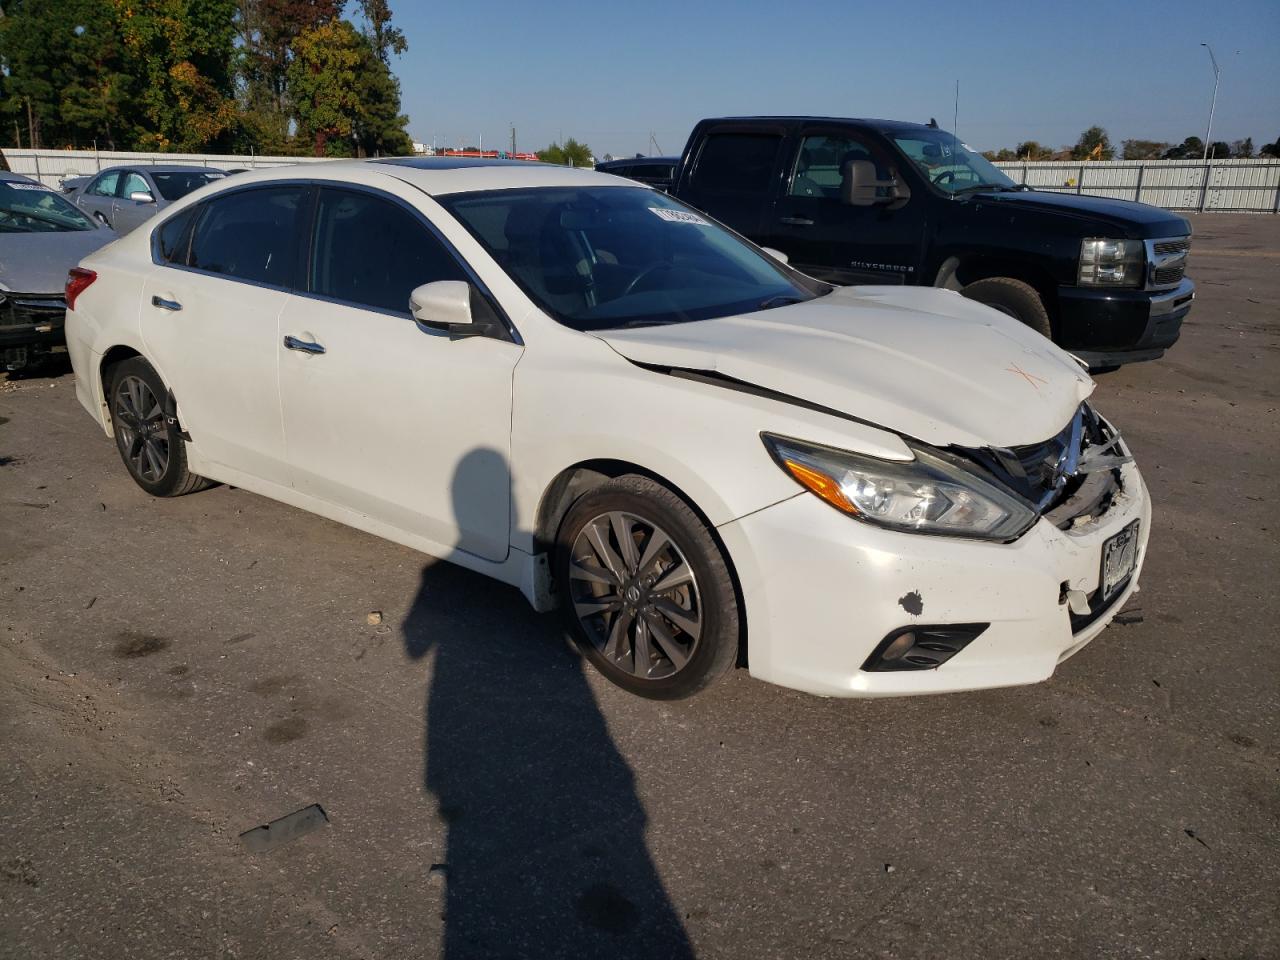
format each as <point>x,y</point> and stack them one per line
<point>925,363</point>
<point>38,262</point>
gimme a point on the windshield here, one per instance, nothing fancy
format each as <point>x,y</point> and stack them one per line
<point>175,185</point>
<point>34,208</point>
<point>602,257</point>
<point>949,164</point>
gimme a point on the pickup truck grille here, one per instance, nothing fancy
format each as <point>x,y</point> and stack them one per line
<point>1167,261</point>
<point>20,310</point>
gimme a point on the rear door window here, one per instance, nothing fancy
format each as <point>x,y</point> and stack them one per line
<point>736,162</point>
<point>105,185</point>
<point>372,252</point>
<point>251,235</point>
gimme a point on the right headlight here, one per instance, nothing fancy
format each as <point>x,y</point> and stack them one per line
<point>926,495</point>
<point>1111,263</point>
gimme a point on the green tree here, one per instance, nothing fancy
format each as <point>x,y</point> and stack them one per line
<point>1219,150</point>
<point>1243,148</point>
<point>1270,149</point>
<point>325,85</point>
<point>378,123</point>
<point>1143,149</point>
<point>570,154</point>
<point>383,37</point>
<point>1094,144</point>
<point>1030,150</point>
<point>1191,148</point>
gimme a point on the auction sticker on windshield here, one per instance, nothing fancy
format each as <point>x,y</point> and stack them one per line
<point>679,216</point>
<point>1119,556</point>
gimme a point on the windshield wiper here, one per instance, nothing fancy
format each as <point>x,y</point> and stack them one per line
<point>781,300</point>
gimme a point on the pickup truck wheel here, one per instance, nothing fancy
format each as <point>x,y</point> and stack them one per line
<point>150,444</point>
<point>1019,300</point>
<point>645,590</point>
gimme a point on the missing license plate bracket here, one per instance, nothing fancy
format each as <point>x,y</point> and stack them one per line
<point>268,836</point>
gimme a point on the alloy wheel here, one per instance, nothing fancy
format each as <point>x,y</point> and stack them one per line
<point>144,435</point>
<point>635,595</point>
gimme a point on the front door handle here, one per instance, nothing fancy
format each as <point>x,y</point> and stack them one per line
<point>165,304</point>
<point>798,221</point>
<point>306,346</point>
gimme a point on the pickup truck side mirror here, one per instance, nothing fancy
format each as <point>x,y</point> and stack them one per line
<point>456,306</point>
<point>859,186</point>
<point>142,196</point>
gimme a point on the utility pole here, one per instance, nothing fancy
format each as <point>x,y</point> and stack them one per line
<point>513,140</point>
<point>1217,75</point>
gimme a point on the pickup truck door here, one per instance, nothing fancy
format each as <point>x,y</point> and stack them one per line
<point>734,174</point>
<point>830,240</point>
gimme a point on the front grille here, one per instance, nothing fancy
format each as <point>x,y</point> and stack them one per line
<point>1167,261</point>
<point>1172,246</point>
<point>20,310</point>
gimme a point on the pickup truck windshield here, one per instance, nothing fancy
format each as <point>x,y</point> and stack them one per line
<point>603,257</point>
<point>32,208</point>
<point>949,164</point>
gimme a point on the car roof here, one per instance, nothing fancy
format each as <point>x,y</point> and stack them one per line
<point>159,168</point>
<point>883,125</point>
<point>638,161</point>
<point>8,177</point>
<point>439,176</point>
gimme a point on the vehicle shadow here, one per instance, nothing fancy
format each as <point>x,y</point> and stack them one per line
<point>546,853</point>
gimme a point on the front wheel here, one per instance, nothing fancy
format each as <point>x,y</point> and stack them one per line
<point>1013,297</point>
<point>645,590</point>
<point>149,442</point>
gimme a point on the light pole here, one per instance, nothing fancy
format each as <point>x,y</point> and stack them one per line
<point>1217,75</point>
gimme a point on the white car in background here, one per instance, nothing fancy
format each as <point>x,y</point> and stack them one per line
<point>580,387</point>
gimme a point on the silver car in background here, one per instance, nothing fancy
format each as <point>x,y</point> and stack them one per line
<point>42,236</point>
<point>125,196</point>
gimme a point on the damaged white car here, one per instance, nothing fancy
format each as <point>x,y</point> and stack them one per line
<point>583,388</point>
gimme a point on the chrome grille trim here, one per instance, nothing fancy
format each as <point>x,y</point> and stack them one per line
<point>1166,261</point>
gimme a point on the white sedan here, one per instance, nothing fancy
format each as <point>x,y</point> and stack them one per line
<point>581,387</point>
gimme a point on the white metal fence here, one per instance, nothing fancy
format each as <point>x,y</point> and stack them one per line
<point>51,167</point>
<point>1251,186</point>
<point>1226,185</point>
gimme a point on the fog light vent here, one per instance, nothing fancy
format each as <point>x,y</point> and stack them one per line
<point>922,648</point>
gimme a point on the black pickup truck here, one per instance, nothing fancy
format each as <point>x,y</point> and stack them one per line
<point>877,201</point>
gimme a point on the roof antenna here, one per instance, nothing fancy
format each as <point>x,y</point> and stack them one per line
<point>955,123</point>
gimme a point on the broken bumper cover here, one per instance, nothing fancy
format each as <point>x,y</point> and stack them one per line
<point>813,622</point>
<point>31,325</point>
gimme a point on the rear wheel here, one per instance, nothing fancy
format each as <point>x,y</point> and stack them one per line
<point>646,591</point>
<point>149,442</point>
<point>1013,297</point>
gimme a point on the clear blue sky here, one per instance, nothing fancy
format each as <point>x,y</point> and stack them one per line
<point>609,71</point>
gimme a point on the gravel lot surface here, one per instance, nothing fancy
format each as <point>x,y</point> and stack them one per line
<point>176,672</point>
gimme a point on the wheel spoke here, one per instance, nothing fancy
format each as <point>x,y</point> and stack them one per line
<point>679,616</point>
<point>153,459</point>
<point>657,542</point>
<point>642,652</point>
<point>592,606</point>
<point>677,576</point>
<point>613,648</point>
<point>623,532</point>
<point>591,573</point>
<point>600,544</point>
<point>668,644</point>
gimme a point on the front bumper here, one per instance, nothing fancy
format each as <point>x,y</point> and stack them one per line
<point>1109,327</point>
<point>30,327</point>
<point>822,590</point>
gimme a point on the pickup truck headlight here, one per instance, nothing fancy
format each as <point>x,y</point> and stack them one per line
<point>1111,263</point>
<point>926,495</point>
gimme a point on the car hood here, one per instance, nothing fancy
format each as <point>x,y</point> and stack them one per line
<point>1127,218</point>
<point>38,262</point>
<point>922,362</point>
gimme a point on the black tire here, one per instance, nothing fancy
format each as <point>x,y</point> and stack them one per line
<point>715,650</point>
<point>134,434</point>
<point>1015,298</point>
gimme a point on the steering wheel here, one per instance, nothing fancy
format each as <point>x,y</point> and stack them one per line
<point>945,176</point>
<point>646,272</point>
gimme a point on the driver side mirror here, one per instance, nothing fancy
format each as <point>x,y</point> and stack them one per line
<point>448,305</point>
<point>859,186</point>
<point>142,196</point>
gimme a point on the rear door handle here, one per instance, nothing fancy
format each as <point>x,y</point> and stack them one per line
<point>165,304</point>
<point>306,346</point>
<point>798,221</point>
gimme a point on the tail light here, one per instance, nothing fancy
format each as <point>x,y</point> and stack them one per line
<point>78,281</point>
